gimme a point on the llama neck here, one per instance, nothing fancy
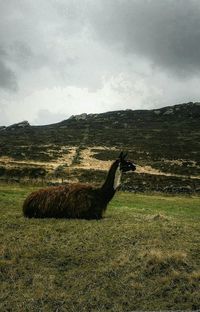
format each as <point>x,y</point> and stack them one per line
<point>112,181</point>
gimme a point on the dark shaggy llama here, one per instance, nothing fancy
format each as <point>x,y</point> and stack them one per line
<point>77,200</point>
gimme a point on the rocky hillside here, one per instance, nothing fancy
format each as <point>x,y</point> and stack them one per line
<point>165,143</point>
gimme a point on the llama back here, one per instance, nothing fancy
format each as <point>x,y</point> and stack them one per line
<point>41,203</point>
<point>69,201</point>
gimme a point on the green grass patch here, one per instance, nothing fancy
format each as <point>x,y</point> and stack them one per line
<point>144,255</point>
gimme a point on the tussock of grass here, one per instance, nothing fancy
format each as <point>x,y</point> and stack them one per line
<point>130,260</point>
<point>162,262</point>
<point>160,217</point>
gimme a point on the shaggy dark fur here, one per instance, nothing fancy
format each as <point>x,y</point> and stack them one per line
<point>74,200</point>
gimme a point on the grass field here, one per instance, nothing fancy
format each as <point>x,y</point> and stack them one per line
<point>144,255</point>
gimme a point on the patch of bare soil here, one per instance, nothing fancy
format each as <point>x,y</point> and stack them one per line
<point>89,162</point>
<point>66,158</point>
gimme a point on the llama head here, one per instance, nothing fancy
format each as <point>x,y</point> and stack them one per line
<point>125,165</point>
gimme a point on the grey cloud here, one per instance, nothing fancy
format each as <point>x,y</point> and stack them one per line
<point>22,34</point>
<point>49,117</point>
<point>166,32</point>
<point>4,120</point>
<point>7,78</point>
<point>49,36</point>
<point>20,53</point>
<point>83,44</point>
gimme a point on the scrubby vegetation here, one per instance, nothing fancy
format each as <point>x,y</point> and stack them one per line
<point>31,172</point>
<point>189,168</point>
<point>144,255</point>
<point>166,139</point>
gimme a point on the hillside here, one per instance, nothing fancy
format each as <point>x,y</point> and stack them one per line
<point>164,143</point>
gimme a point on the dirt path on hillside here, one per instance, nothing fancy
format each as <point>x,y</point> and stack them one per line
<point>67,158</point>
<point>86,160</point>
<point>90,162</point>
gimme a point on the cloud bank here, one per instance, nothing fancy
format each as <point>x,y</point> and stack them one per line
<point>64,57</point>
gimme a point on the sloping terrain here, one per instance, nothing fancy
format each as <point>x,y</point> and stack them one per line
<point>164,143</point>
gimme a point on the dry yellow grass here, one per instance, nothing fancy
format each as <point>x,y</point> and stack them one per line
<point>87,161</point>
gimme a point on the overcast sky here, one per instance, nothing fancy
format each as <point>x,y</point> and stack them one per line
<point>64,57</point>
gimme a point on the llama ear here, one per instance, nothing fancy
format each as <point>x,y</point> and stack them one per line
<point>123,155</point>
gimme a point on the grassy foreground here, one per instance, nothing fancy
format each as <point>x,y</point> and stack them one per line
<point>144,255</point>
